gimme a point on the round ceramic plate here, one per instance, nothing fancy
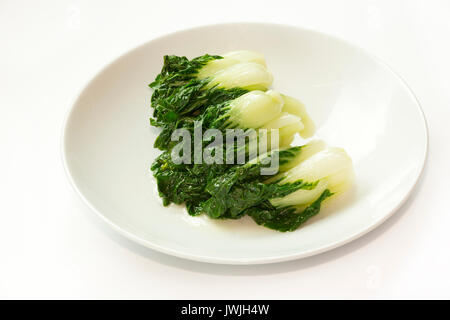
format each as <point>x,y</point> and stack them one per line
<point>356,101</point>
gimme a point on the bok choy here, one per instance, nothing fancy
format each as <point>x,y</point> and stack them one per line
<point>227,92</point>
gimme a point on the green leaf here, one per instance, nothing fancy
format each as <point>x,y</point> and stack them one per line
<point>286,218</point>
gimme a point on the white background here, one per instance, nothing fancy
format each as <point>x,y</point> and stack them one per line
<point>52,246</point>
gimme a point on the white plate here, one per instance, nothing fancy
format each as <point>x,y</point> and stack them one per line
<point>357,102</point>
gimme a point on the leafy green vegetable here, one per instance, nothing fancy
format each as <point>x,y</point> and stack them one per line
<point>179,183</point>
<point>230,192</point>
<point>180,95</point>
<point>177,107</point>
<point>242,187</point>
<point>285,218</point>
<point>229,91</point>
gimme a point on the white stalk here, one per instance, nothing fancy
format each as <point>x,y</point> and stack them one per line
<point>295,107</point>
<point>230,59</point>
<point>332,167</point>
<point>247,75</point>
<point>255,108</point>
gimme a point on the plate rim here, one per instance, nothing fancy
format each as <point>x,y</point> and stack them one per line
<point>240,261</point>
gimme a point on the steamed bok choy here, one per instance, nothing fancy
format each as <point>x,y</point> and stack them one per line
<point>309,175</point>
<point>253,110</point>
<point>264,111</point>
<point>232,91</point>
<point>184,88</point>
